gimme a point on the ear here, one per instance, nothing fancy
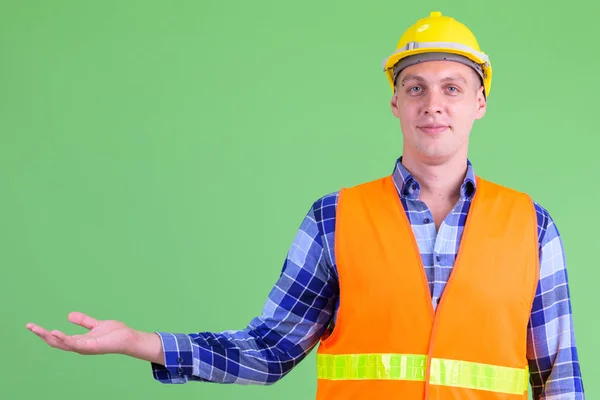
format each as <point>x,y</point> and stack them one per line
<point>394,104</point>
<point>481,104</point>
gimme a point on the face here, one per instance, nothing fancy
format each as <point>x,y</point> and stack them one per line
<point>437,103</point>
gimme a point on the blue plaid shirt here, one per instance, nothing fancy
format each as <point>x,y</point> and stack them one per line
<point>303,303</point>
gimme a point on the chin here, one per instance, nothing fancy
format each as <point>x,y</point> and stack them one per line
<point>435,155</point>
<point>431,150</point>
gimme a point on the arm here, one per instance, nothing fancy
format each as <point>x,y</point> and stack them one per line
<point>551,348</point>
<point>293,319</point>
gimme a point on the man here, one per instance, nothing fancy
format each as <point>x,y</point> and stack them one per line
<point>428,283</point>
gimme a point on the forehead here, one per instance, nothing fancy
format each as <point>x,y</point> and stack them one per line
<point>438,70</point>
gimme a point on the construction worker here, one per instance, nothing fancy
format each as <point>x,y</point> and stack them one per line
<point>428,283</point>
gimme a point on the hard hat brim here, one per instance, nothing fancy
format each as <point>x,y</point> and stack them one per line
<point>420,48</point>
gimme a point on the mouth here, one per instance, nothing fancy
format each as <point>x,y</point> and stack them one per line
<point>433,128</point>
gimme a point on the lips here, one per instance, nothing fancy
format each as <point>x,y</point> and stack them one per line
<point>433,128</point>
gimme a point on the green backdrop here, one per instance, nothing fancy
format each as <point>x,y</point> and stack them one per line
<point>157,158</point>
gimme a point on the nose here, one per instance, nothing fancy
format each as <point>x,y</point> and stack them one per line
<point>433,103</point>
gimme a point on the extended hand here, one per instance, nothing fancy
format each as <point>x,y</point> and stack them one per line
<point>104,337</point>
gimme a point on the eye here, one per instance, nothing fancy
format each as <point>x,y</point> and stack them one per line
<point>415,89</point>
<point>453,89</point>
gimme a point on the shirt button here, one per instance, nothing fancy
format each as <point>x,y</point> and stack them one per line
<point>180,370</point>
<point>414,186</point>
<point>180,360</point>
<point>426,220</point>
<point>438,258</point>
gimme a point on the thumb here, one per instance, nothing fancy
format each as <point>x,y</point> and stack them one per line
<point>82,319</point>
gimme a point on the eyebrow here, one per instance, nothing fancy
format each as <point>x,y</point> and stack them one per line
<point>419,78</point>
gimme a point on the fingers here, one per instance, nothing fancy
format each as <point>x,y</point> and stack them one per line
<point>47,337</point>
<point>59,340</point>
<point>70,342</point>
<point>61,336</point>
<point>82,319</point>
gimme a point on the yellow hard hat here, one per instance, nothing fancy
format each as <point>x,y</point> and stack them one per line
<point>438,37</point>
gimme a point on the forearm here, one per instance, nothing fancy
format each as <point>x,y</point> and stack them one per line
<point>291,324</point>
<point>240,357</point>
<point>264,352</point>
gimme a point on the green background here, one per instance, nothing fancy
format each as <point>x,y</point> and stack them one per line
<point>157,158</point>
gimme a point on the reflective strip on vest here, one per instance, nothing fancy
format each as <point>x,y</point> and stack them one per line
<point>454,373</point>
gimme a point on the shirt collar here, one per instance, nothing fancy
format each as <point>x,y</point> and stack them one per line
<point>408,186</point>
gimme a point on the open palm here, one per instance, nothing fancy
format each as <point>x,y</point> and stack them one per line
<point>103,337</point>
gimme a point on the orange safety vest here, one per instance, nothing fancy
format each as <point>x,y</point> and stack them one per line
<point>388,343</point>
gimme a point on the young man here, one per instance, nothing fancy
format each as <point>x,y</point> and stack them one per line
<point>429,283</point>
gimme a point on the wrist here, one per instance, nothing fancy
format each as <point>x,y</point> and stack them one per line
<point>147,346</point>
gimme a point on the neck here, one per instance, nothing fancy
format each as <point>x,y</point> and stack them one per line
<point>438,181</point>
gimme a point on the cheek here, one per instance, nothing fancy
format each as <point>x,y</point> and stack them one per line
<point>462,115</point>
<point>408,114</point>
